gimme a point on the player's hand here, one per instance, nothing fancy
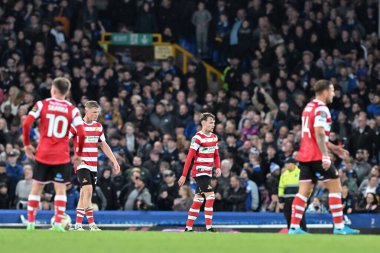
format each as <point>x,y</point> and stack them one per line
<point>77,160</point>
<point>342,153</point>
<point>326,162</point>
<point>218,172</point>
<point>116,167</point>
<point>29,151</point>
<point>181,180</point>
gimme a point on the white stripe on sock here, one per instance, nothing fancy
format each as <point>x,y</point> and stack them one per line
<point>337,214</point>
<point>301,197</point>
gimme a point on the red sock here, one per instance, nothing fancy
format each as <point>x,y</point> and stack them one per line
<point>298,209</point>
<point>90,215</point>
<point>209,210</point>
<point>33,203</point>
<point>336,208</point>
<point>59,208</point>
<point>80,214</point>
<point>193,212</point>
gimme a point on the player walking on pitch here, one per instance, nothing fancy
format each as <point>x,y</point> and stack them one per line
<point>87,170</point>
<point>315,162</point>
<point>204,150</point>
<point>52,156</point>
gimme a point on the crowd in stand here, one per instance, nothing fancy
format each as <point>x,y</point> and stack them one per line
<point>272,52</point>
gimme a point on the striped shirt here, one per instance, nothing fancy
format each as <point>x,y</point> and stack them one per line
<point>206,147</point>
<point>94,134</point>
<point>315,114</point>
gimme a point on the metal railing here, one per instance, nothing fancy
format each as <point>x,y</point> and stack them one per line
<point>182,58</point>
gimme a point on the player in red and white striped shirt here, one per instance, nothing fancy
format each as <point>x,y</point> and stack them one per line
<point>87,170</point>
<point>204,150</point>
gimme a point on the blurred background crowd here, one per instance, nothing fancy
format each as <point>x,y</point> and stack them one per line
<point>270,53</point>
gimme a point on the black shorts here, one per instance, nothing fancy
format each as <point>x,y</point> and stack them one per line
<point>86,177</point>
<point>314,171</point>
<point>47,173</point>
<point>203,184</point>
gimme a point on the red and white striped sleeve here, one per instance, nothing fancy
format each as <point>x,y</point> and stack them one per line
<point>195,142</point>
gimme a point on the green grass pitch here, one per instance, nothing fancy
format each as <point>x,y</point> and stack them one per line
<point>17,240</point>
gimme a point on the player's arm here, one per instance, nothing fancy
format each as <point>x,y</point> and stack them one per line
<point>320,125</point>
<point>26,126</point>
<point>194,146</point>
<point>80,133</point>
<point>108,152</point>
<point>217,162</point>
<point>338,150</point>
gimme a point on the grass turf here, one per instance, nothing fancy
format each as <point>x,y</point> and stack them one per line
<point>17,240</point>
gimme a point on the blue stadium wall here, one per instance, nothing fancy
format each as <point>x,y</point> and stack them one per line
<point>236,220</point>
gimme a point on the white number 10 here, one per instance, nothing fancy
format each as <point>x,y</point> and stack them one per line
<point>53,125</point>
<point>305,128</point>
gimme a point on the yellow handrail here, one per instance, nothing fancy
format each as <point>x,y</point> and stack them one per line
<point>212,74</point>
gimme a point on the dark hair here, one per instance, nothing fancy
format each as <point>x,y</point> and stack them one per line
<point>62,84</point>
<point>91,104</point>
<point>321,85</point>
<point>205,116</point>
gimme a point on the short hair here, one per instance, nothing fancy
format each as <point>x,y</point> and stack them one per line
<point>321,85</point>
<point>205,116</point>
<point>91,104</point>
<point>62,84</point>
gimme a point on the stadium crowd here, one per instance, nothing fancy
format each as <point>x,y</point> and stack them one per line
<point>271,53</point>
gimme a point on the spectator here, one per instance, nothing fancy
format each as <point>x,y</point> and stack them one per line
<point>253,198</point>
<point>23,188</point>
<point>361,167</point>
<point>316,207</point>
<point>139,198</point>
<point>185,199</point>
<point>225,178</point>
<point>14,170</point>
<point>4,197</point>
<point>108,189</point>
<point>348,200</point>
<point>201,19</point>
<point>373,183</point>
<point>370,204</point>
<point>235,196</point>
<point>168,191</point>
<point>72,197</point>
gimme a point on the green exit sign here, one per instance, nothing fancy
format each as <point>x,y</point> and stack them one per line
<point>132,39</point>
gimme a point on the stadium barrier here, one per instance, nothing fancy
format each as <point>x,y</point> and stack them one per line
<point>15,218</point>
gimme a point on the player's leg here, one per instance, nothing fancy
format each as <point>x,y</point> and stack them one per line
<point>60,201</point>
<point>40,176</point>
<point>34,199</point>
<point>306,184</point>
<point>209,210</point>
<point>299,203</point>
<point>61,175</point>
<point>80,210</point>
<point>88,190</point>
<point>336,207</point>
<point>194,211</point>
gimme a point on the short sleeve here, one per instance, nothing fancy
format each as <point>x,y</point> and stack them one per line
<point>36,110</point>
<point>321,117</point>
<point>77,119</point>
